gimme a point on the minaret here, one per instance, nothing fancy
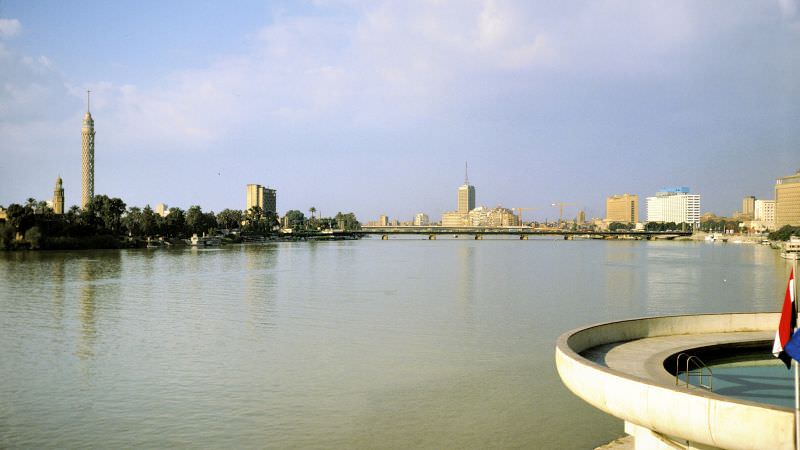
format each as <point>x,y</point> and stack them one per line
<point>58,197</point>
<point>87,149</point>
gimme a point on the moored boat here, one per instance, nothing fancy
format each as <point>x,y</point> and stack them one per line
<point>203,241</point>
<point>791,248</point>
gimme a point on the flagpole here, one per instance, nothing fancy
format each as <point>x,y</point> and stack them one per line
<point>796,372</point>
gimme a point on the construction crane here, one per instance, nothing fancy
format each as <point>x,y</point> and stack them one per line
<point>561,206</point>
<point>519,213</point>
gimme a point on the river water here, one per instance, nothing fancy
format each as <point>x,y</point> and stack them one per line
<point>353,344</point>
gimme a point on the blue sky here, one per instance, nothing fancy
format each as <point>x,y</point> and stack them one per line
<point>373,107</point>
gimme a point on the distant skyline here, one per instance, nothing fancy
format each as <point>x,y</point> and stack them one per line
<point>373,107</point>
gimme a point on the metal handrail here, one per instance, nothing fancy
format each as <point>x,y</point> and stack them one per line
<point>699,371</point>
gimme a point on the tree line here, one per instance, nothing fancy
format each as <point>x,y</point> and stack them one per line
<point>107,222</point>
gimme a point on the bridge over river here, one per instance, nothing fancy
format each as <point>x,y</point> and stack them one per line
<point>522,232</point>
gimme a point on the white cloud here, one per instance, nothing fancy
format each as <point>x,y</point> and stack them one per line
<point>385,64</point>
<point>9,28</point>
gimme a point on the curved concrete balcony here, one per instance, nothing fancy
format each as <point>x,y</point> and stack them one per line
<point>619,367</point>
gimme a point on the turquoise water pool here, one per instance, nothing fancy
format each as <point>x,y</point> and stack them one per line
<point>763,380</point>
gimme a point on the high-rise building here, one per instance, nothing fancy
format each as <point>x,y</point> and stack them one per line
<point>581,218</point>
<point>787,200</point>
<point>383,221</point>
<point>264,198</point>
<point>748,207</point>
<point>622,208</point>
<point>466,195</point>
<point>254,197</point>
<point>87,150</point>
<point>270,200</point>
<point>162,209</point>
<point>674,205</point>
<point>421,220</point>
<point>58,197</point>
<point>764,211</point>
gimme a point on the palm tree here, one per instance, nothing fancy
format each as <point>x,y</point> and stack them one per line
<point>312,210</point>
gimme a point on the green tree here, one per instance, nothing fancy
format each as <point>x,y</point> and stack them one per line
<point>229,219</point>
<point>619,226</point>
<point>33,236</point>
<point>295,219</point>
<point>347,221</point>
<point>132,222</point>
<point>104,214</point>
<point>175,223</point>
<point>150,222</point>
<point>194,220</point>
<point>7,232</point>
<point>784,233</point>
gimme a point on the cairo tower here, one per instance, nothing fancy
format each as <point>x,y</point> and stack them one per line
<point>87,148</point>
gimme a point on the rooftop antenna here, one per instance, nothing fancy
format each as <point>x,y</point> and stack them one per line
<point>88,98</point>
<point>466,174</point>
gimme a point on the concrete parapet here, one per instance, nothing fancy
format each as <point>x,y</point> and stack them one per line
<point>660,415</point>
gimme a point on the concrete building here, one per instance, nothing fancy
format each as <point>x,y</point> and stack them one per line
<point>466,195</point>
<point>466,198</point>
<point>495,217</point>
<point>263,197</point>
<point>748,207</point>
<point>464,204</point>
<point>622,208</point>
<point>479,217</point>
<point>421,220</point>
<point>87,151</point>
<point>455,219</point>
<point>503,217</point>
<point>270,200</point>
<point>764,212</point>
<point>581,218</point>
<point>674,205</point>
<point>787,200</point>
<point>162,209</point>
<point>383,221</point>
<point>58,197</point>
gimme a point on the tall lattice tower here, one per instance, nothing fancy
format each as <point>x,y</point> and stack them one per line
<point>87,148</point>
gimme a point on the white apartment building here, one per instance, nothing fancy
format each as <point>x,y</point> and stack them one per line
<point>674,205</point>
<point>764,211</point>
<point>421,220</point>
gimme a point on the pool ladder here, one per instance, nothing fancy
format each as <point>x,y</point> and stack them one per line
<point>700,370</point>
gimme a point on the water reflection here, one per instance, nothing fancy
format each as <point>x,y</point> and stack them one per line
<point>672,279</point>
<point>58,283</point>
<point>466,282</point>
<point>260,284</point>
<point>622,279</point>
<point>86,313</point>
<point>99,288</point>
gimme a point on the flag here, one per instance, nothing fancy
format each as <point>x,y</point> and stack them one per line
<point>786,327</point>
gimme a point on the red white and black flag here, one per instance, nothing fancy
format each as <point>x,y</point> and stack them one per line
<point>787,325</point>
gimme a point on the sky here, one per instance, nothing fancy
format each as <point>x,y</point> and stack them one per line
<point>374,107</point>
